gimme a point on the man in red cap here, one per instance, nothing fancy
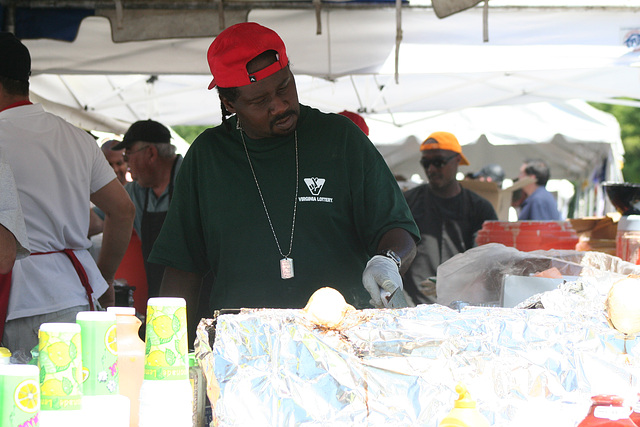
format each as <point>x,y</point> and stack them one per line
<point>447,215</point>
<point>281,199</point>
<point>357,119</point>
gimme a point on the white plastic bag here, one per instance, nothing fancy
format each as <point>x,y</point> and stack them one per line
<point>476,276</point>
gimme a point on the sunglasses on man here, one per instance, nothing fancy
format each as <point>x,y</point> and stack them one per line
<point>437,162</point>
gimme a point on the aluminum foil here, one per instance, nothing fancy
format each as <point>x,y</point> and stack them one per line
<point>400,367</point>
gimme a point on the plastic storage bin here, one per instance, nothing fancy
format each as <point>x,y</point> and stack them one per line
<point>529,235</point>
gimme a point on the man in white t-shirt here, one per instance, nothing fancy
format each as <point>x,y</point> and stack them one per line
<point>14,244</point>
<point>58,169</point>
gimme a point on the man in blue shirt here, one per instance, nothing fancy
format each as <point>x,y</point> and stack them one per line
<point>539,205</point>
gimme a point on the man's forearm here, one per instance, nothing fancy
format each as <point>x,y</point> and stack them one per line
<point>402,243</point>
<point>182,284</point>
<point>8,250</point>
<point>115,240</point>
<point>108,299</point>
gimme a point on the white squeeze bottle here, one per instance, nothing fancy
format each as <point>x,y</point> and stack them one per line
<point>130,357</point>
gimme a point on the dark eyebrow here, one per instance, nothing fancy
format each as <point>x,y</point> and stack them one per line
<point>285,82</point>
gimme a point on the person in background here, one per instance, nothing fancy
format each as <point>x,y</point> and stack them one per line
<point>281,199</point>
<point>357,119</point>
<point>539,204</point>
<point>448,215</point>
<point>153,164</point>
<point>115,159</point>
<point>58,170</point>
<point>490,173</point>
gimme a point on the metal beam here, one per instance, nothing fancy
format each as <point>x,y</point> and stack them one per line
<point>270,4</point>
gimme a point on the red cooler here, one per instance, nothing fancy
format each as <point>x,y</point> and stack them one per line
<point>529,235</point>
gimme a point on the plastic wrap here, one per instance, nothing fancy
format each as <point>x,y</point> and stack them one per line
<point>476,276</point>
<point>400,367</point>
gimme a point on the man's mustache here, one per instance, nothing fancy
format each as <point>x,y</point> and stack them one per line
<point>282,116</point>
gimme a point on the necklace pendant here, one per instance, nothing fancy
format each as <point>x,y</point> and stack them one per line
<point>286,268</point>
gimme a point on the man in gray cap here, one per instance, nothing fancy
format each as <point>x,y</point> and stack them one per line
<point>153,164</point>
<point>58,170</point>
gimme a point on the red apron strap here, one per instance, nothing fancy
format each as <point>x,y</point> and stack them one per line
<point>82,274</point>
<point>5,287</point>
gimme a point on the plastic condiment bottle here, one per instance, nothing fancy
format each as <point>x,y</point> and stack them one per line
<point>199,391</point>
<point>130,357</point>
<point>5,356</point>
<point>628,238</point>
<point>609,411</point>
<point>464,412</point>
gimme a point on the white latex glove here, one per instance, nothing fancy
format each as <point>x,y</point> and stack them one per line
<point>380,278</point>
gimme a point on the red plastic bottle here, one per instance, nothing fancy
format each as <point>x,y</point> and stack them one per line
<point>608,411</point>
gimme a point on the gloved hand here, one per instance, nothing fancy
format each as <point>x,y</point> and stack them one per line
<point>380,278</point>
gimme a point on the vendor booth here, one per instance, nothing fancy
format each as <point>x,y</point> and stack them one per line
<point>517,357</point>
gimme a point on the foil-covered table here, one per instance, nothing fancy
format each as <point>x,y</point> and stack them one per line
<point>400,367</point>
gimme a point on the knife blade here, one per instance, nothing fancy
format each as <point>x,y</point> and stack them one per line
<point>395,300</point>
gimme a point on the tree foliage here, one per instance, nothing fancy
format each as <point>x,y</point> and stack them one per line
<point>629,119</point>
<point>189,133</point>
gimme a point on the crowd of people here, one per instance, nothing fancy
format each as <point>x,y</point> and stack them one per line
<point>277,201</point>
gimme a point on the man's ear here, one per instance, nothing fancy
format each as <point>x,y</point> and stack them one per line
<point>153,150</point>
<point>227,105</point>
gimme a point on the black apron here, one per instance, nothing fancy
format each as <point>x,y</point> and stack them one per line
<point>150,229</point>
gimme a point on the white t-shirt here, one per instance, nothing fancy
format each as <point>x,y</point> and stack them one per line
<point>56,168</point>
<point>10,210</point>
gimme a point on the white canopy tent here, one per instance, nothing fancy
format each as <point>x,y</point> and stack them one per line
<point>533,54</point>
<point>573,137</point>
<point>513,96</point>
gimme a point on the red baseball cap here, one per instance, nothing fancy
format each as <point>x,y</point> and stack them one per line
<point>357,119</point>
<point>233,48</point>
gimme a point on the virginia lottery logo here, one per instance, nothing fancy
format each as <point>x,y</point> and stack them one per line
<point>315,184</point>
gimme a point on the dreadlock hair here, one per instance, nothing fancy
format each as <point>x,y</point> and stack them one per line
<point>231,94</point>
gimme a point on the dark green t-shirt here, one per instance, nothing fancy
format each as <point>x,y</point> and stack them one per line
<point>347,199</point>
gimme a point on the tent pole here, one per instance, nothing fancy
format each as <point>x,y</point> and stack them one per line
<point>398,38</point>
<point>485,21</point>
